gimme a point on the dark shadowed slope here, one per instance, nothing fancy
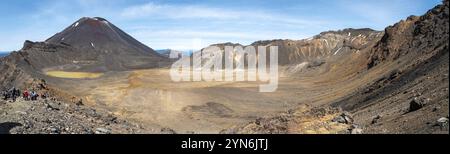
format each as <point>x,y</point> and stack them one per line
<point>416,50</point>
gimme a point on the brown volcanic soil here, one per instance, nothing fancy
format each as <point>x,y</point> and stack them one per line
<point>365,77</point>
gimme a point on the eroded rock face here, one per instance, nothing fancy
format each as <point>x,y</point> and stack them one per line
<point>325,45</point>
<point>321,46</point>
<point>11,74</point>
<point>424,35</point>
<point>413,54</point>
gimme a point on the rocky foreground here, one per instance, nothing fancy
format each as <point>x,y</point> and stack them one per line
<point>328,120</point>
<point>302,120</point>
<point>49,116</point>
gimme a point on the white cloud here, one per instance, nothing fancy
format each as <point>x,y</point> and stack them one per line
<point>183,39</point>
<point>173,11</point>
<point>194,34</point>
<point>244,26</point>
<point>166,11</point>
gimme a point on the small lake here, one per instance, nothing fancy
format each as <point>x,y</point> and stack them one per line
<point>73,75</point>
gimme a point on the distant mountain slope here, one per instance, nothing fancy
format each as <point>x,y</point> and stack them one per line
<point>91,44</point>
<point>322,46</point>
<point>167,52</point>
<point>99,35</point>
<point>317,50</point>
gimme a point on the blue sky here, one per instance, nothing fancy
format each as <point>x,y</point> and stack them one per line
<point>187,24</point>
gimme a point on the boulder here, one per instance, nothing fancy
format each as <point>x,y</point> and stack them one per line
<point>355,129</point>
<point>102,131</point>
<point>443,122</point>
<point>345,118</point>
<point>376,119</point>
<point>416,104</point>
<point>167,131</point>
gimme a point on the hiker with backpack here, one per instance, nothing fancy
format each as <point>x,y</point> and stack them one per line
<point>34,95</point>
<point>12,93</point>
<point>5,95</point>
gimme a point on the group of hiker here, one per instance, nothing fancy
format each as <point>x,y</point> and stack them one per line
<point>30,95</point>
<point>27,95</point>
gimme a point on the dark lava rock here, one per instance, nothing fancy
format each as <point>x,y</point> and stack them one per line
<point>167,131</point>
<point>416,104</point>
<point>344,118</point>
<point>376,119</point>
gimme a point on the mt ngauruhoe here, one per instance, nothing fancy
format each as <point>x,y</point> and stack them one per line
<point>99,35</point>
<point>91,44</point>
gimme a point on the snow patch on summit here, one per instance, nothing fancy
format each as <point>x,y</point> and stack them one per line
<point>76,24</point>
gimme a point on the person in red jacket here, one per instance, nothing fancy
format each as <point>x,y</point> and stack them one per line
<point>26,95</point>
